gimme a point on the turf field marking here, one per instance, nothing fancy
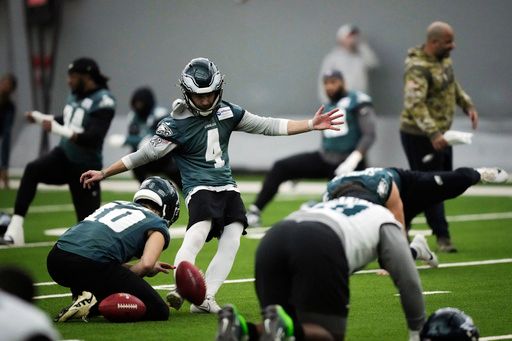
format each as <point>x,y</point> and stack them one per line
<point>500,337</point>
<point>470,217</point>
<point>426,293</point>
<point>249,280</point>
<point>43,297</point>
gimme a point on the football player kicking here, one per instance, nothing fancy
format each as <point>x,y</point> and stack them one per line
<point>408,193</point>
<point>91,257</point>
<point>303,266</point>
<point>197,133</point>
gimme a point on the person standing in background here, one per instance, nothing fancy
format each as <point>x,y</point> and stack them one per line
<point>430,95</point>
<point>7,111</point>
<point>353,57</point>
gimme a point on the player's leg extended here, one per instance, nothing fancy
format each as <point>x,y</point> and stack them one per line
<point>221,264</point>
<point>42,170</point>
<point>300,166</point>
<point>305,165</point>
<point>193,242</point>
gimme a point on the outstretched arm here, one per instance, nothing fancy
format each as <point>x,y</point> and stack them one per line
<point>320,121</point>
<point>152,150</point>
<point>255,124</point>
<point>92,176</point>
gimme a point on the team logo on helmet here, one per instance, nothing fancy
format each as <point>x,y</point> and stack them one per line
<point>201,76</point>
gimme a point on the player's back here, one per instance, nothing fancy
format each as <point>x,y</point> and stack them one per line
<point>356,221</point>
<point>116,232</point>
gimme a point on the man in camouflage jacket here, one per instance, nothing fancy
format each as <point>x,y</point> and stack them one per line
<point>430,95</point>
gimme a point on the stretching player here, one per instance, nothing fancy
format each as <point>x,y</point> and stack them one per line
<point>82,128</point>
<point>407,193</point>
<point>197,134</point>
<point>341,151</point>
<point>303,265</point>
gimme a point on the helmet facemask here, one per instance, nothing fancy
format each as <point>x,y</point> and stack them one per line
<point>201,76</point>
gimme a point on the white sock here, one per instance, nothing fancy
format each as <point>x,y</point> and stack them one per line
<point>15,230</point>
<point>193,242</point>
<point>222,262</point>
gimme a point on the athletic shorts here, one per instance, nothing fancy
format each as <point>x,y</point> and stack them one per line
<point>302,266</point>
<point>223,208</point>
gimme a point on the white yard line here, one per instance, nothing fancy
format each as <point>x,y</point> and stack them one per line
<point>371,271</point>
<point>258,232</point>
<point>287,188</point>
<point>500,337</point>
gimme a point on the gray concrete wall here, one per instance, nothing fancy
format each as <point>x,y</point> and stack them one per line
<point>271,51</point>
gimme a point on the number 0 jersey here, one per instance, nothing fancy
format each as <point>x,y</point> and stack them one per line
<point>115,232</point>
<point>77,116</point>
<point>345,140</point>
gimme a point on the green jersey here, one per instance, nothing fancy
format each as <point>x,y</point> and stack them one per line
<point>202,146</point>
<point>345,140</point>
<point>115,232</point>
<point>140,128</point>
<point>77,116</point>
<point>378,181</point>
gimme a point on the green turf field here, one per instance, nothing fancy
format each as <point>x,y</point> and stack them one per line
<point>484,291</point>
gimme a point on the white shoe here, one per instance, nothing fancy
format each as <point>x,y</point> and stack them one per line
<point>492,175</point>
<point>209,305</point>
<point>423,252</point>
<point>78,309</point>
<point>253,216</point>
<point>174,299</point>
<point>14,235</point>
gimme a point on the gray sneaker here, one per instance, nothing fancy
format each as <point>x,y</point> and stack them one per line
<point>277,324</point>
<point>492,175</point>
<point>174,299</point>
<point>445,245</point>
<point>232,325</point>
<point>253,216</point>
<point>78,309</point>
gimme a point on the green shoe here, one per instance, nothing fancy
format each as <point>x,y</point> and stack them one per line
<point>232,325</point>
<point>277,324</point>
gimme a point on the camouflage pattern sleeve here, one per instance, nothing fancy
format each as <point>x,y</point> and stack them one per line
<point>462,98</point>
<point>415,96</point>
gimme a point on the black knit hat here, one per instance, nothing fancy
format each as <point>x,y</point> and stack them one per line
<point>87,66</point>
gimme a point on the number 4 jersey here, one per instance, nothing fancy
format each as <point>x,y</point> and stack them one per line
<point>202,146</point>
<point>115,232</point>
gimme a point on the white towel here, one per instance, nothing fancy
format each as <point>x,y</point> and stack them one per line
<point>454,137</point>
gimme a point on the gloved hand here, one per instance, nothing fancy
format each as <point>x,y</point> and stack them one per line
<point>349,164</point>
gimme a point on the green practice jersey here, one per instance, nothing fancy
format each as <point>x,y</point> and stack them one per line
<point>202,145</point>
<point>115,232</point>
<point>345,140</point>
<point>77,114</point>
<point>378,181</point>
